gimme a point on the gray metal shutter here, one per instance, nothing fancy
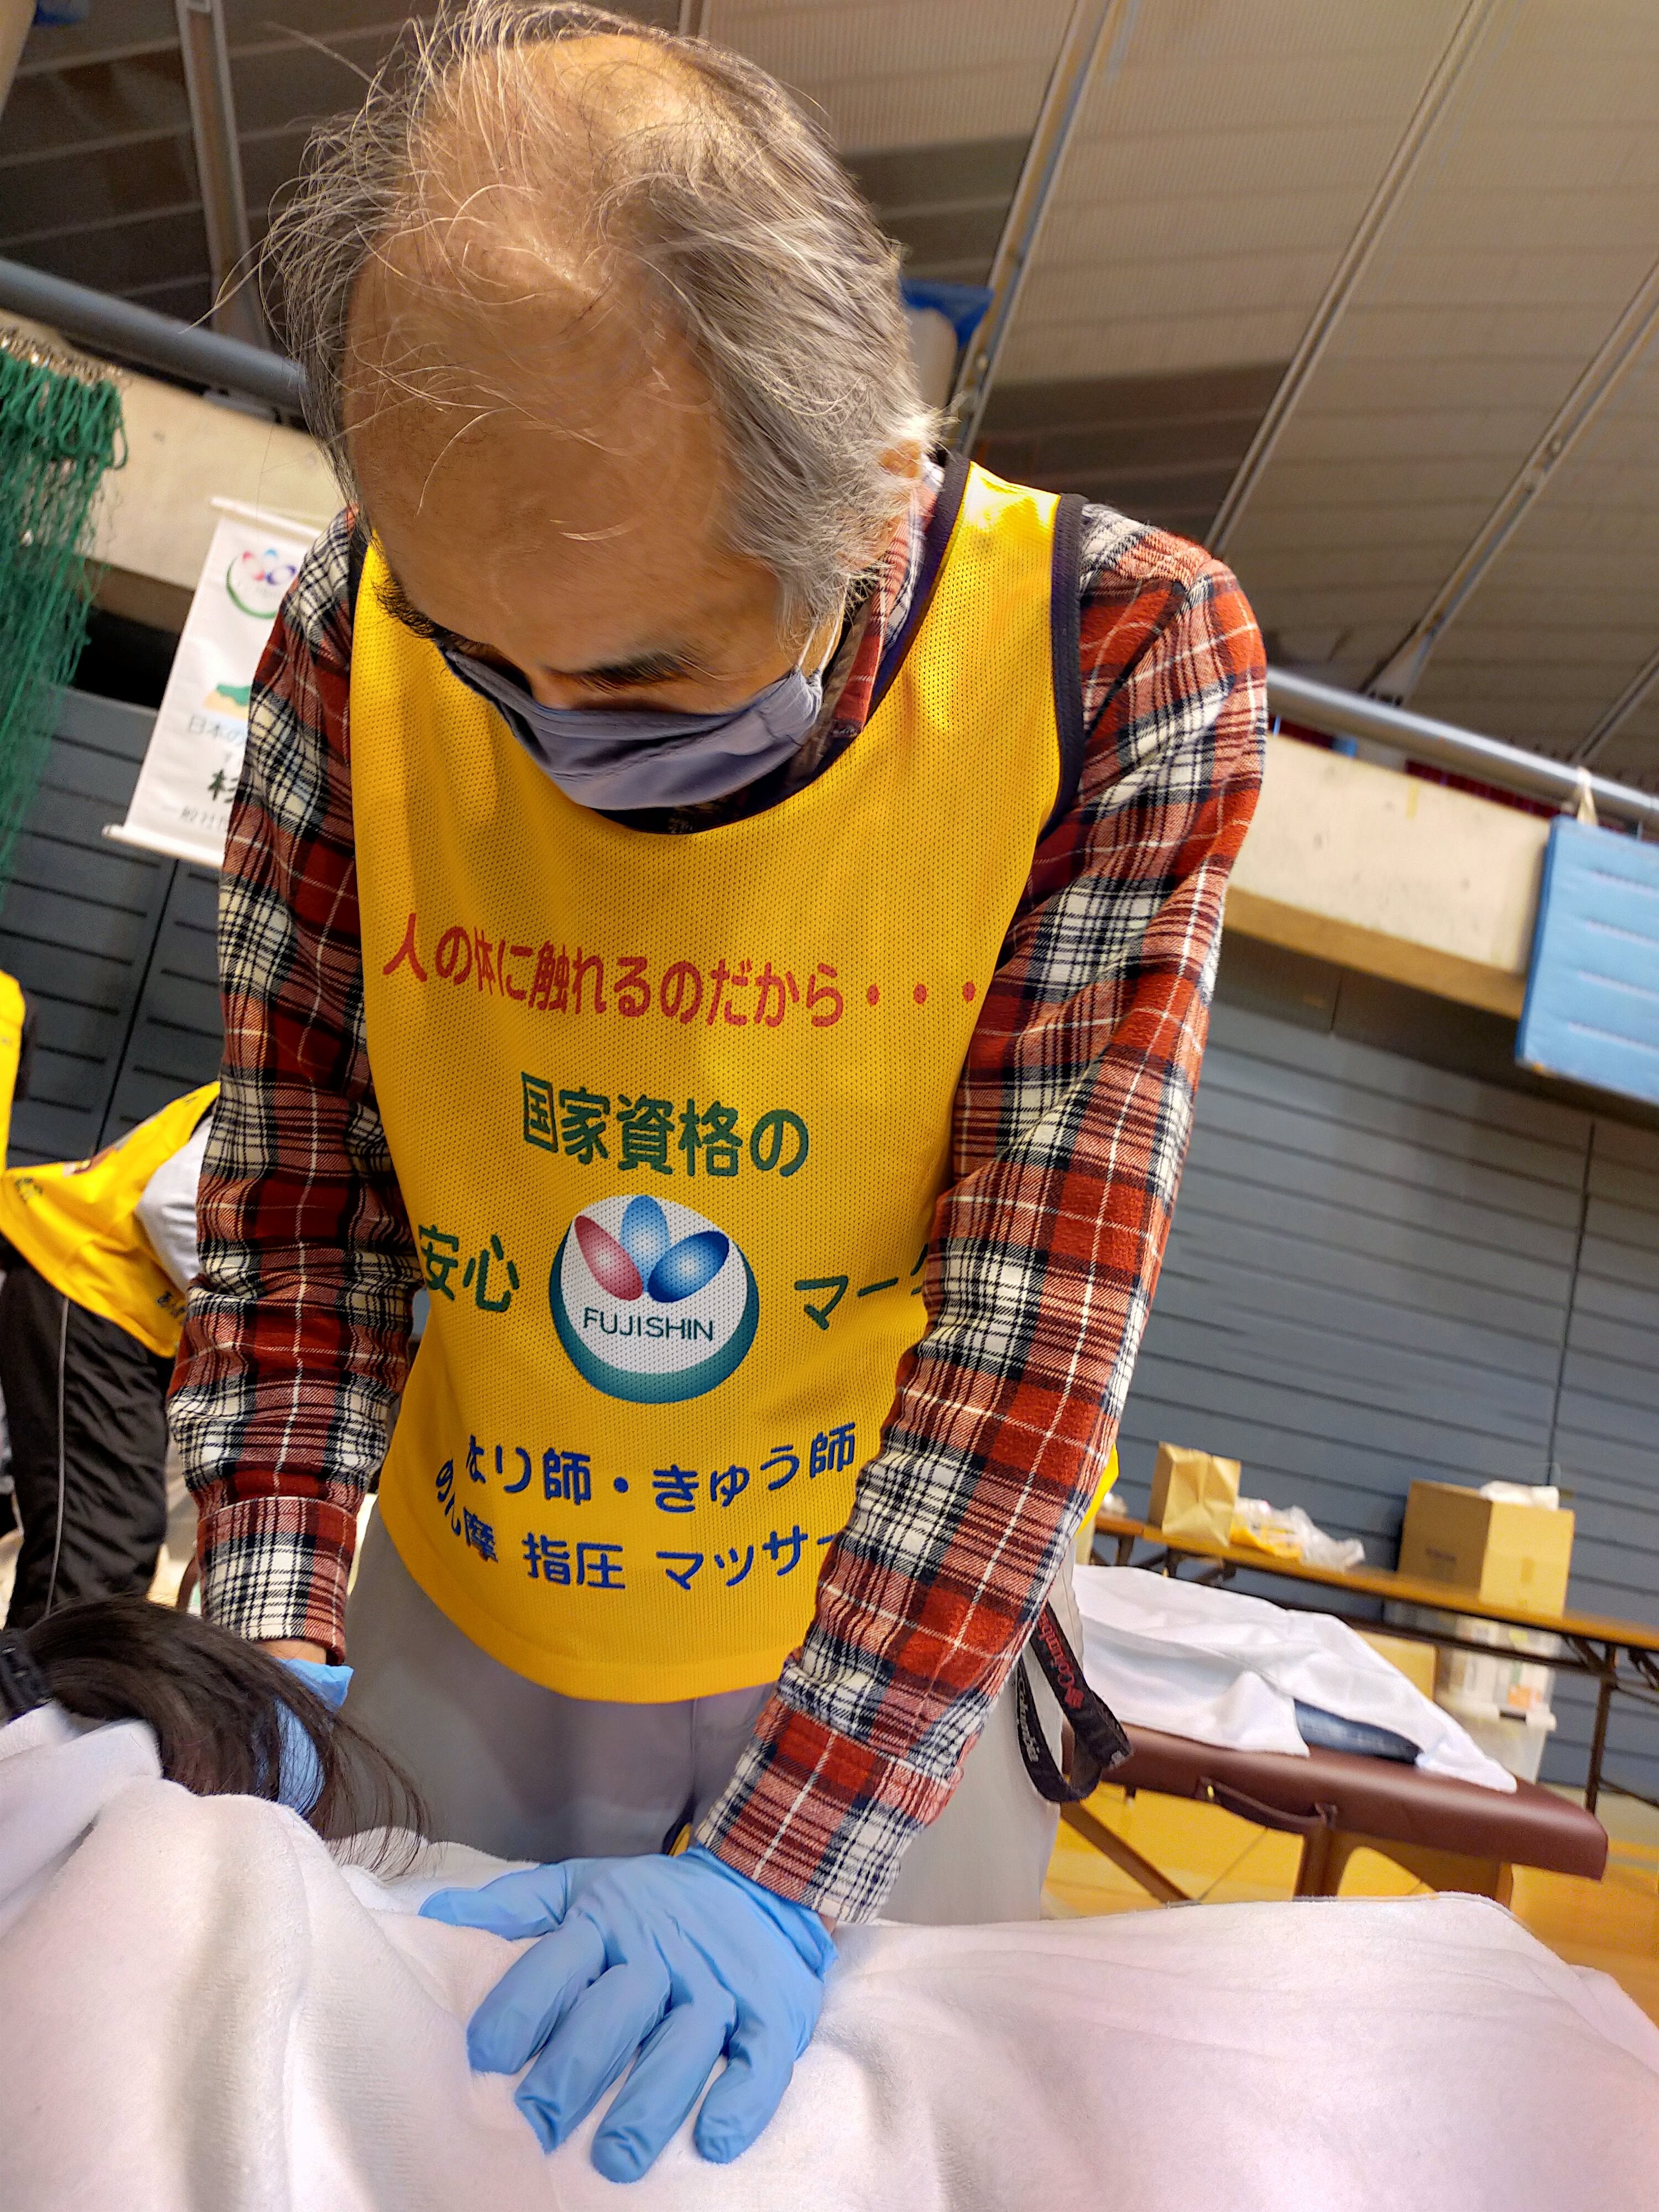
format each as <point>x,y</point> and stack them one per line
<point>176,1033</point>
<point>114,948</point>
<point>1607,1437</point>
<point>1370,1279</point>
<point>1367,1278</point>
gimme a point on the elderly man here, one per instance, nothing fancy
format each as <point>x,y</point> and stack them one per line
<point>730,907</point>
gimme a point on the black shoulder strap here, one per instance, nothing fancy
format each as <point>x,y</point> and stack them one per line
<point>19,1087</point>
<point>1100,1744</point>
<point>940,524</point>
<point>1065,585</point>
<point>356,555</point>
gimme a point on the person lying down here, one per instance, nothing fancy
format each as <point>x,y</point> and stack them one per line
<point>210,2007</point>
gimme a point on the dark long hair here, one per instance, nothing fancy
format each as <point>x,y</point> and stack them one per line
<point>216,1703</point>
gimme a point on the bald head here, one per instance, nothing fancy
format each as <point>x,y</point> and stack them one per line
<point>587,300</point>
<point>499,239</point>
<point>498,343</point>
<point>528,428</point>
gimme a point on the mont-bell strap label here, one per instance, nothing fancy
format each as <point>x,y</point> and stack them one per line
<point>1101,1743</point>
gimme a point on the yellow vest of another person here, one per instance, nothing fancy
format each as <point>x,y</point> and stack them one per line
<point>12,1011</point>
<point>75,1224</point>
<point>670,1115</point>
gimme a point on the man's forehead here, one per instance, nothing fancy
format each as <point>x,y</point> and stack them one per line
<point>659,583</point>
<point>583,481</point>
<point>517,516</point>
<point>436,397</point>
<point>578,440</point>
<point>643,649</point>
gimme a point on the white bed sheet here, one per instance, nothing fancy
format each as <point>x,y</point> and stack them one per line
<point>203,2013</point>
<point>1225,1669</point>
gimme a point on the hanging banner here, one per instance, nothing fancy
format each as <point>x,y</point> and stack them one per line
<point>1592,1008</point>
<point>181,805</point>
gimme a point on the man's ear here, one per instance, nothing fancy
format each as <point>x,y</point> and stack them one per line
<point>901,463</point>
<point>904,461</point>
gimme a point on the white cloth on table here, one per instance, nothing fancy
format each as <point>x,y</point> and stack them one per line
<point>203,2012</point>
<point>1225,1668</point>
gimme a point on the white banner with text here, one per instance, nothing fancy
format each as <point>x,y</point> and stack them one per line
<point>181,805</point>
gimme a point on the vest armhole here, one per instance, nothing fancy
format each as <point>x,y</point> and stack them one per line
<point>1065,641</point>
<point>356,558</point>
<point>940,525</point>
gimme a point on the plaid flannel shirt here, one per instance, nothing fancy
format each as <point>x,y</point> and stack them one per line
<point>1070,1126</point>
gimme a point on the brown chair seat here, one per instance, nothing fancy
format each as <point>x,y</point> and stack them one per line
<point>1451,1834</point>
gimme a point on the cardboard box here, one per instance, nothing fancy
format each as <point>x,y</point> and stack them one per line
<point>1193,1494</point>
<point>1415,1661</point>
<point>1516,1555</point>
<point>1499,1679</point>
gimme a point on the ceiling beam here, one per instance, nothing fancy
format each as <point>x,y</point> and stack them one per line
<point>1400,674</point>
<point>1620,711</point>
<point>55,61</point>
<point>236,311</point>
<point>1433,101</point>
<point>385,32</point>
<point>115,142</point>
<point>1092,25</point>
<point>12,240</point>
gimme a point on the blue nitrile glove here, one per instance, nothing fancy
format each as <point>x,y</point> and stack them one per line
<point>301,1779</point>
<point>662,1963</point>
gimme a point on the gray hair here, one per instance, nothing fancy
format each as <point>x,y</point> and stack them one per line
<point>735,219</point>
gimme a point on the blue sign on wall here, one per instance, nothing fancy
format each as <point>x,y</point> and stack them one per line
<point>1592,1009</point>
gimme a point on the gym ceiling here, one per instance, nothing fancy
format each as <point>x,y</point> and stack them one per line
<point>1363,293</point>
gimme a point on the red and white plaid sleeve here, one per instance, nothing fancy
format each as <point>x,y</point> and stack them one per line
<point>1071,1128</point>
<point>295,1342</point>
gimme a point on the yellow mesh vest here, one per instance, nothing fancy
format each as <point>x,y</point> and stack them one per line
<point>11,1047</point>
<point>670,1115</point>
<point>75,1224</point>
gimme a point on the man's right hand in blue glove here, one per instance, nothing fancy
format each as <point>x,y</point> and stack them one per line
<point>665,1964</point>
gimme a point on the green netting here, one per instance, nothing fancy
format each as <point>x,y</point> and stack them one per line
<point>60,429</point>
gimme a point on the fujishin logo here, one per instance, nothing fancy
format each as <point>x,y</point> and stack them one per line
<point>256,581</point>
<point>652,1301</point>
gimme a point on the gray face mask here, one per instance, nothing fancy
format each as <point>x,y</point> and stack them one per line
<point>617,759</point>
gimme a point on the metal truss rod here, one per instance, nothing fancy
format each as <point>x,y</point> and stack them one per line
<point>1432,103</point>
<point>136,333</point>
<point>1620,711</point>
<point>1399,675</point>
<point>236,313</point>
<point>1092,25</point>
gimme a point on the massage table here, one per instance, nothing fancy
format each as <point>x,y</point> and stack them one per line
<point>1450,1835</point>
<point>1618,1656</point>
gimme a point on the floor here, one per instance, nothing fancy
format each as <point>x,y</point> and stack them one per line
<point>1612,1924</point>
